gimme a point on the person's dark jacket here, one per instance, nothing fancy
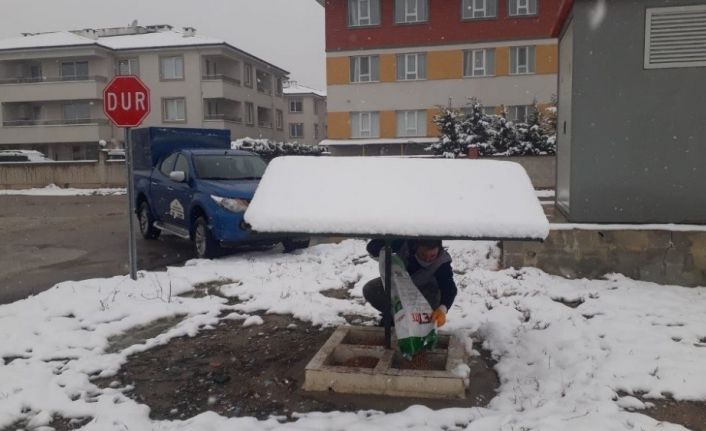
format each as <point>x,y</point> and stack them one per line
<point>443,275</point>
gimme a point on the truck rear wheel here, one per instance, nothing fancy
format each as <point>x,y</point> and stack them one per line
<point>291,245</point>
<point>206,247</point>
<point>146,222</point>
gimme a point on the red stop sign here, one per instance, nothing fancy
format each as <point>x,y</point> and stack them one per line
<point>126,101</point>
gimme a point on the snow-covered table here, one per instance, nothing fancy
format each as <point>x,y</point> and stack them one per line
<point>397,198</point>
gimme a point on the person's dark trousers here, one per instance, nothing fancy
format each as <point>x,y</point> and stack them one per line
<point>375,294</point>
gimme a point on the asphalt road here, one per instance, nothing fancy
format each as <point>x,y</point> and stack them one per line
<point>47,240</point>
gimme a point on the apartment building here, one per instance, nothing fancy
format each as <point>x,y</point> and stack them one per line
<point>306,113</point>
<point>392,63</point>
<point>51,87</point>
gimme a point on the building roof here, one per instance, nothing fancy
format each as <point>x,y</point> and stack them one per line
<point>294,88</point>
<point>45,40</point>
<point>564,10</point>
<point>164,38</point>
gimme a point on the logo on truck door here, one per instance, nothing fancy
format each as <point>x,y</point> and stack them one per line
<point>176,210</point>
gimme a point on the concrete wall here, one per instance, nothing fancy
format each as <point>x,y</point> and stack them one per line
<point>541,169</point>
<point>639,136</point>
<point>652,255</point>
<point>83,174</point>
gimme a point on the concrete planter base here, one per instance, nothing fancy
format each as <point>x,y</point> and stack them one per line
<point>354,361</point>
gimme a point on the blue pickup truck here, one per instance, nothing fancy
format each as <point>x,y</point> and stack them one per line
<point>188,182</point>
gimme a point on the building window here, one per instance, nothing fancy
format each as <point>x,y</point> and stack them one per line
<point>74,70</point>
<point>171,68</point>
<point>296,105</point>
<point>279,120</point>
<point>264,117</point>
<point>365,124</point>
<point>247,70</point>
<point>489,110</point>
<point>519,113</point>
<point>411,67</point>
<point>479,62</point>
<point>365,68</point>
<point>363,12</point>
<point>316,131</point>
<point>78,112</point>
<point>264,82</point>
<point>523,7</point>
<point>478,9</point>
<point>411,11</point>
<point>174,110</point>
<point>522,60</point>
<point>411,123</point>
<point>249,114</point>
<point>296,130</point>
<point>280,87</point>
<point>128,66</point>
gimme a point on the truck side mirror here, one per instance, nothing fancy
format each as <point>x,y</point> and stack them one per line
<point>178,176</point>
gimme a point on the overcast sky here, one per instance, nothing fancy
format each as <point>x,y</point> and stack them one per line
<point>287,33</point>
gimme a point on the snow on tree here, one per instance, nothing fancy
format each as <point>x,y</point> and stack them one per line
<point>494,135</point>
<point>268,149</point>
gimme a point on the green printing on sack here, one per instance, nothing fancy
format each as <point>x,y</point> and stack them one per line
<point>410,346</point>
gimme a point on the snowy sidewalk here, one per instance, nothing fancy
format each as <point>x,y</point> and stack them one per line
<point>568,351</point>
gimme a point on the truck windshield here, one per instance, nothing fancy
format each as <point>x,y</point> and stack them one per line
<point>223,167</point>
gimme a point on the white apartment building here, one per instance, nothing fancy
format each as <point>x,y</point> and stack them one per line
<point>51,87</point>
<point>306,113</point>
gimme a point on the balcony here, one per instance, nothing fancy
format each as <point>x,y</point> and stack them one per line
<point>36,89</point>
<point>221,86</point>
<point>55,131</point>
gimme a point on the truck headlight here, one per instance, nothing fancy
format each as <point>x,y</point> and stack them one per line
<point>231,204</point>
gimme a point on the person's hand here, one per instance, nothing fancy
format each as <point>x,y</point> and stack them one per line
<point>438,316</point>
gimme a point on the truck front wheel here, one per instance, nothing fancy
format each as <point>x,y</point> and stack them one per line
<point>146,222</point>
<point>206,246</point>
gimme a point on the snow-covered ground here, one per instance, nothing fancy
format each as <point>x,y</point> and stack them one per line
<point>54,190</point>
<point>559,367</point>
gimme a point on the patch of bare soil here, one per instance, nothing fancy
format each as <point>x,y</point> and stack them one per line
<point>690,414</point>
<point>258,371</point>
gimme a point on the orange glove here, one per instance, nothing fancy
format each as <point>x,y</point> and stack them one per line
<point>438,316</point>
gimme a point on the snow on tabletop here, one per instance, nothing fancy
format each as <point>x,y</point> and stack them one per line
<point>558,367</point>
<point>439,198</point>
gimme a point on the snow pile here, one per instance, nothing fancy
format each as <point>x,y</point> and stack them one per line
<point>54,190</point>
<point>405,197</point>
<point>560,367</point>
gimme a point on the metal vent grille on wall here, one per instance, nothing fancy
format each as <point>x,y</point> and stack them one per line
<point>675,37</point>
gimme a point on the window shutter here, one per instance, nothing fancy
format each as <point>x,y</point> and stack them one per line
<point>491,8</point>
<point>513,60</point>
<point>374,12</point>
<point>374,68</point>
<point>421,66</point>
<point>490,62</point>
<point>352,12</point>
<point>353,62</point>
<point>675,37</point>
<point>513,7</point>
<point>399,11</point>
<point>423,10</point>
<point>401,70</point>
<point>530,59</point>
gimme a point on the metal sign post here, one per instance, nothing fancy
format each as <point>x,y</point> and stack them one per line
<point>126,102</point>
<point>132,245</point>
<point>387,316</point>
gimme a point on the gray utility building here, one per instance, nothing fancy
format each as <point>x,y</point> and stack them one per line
<point>632,111</point>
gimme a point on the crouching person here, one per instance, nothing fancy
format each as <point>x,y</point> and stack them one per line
<point>429,266</point>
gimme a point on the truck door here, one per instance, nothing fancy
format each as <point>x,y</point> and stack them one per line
<point>158,188</point>
<point>179,195</point>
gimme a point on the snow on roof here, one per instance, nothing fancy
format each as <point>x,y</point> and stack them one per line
<point>294,88</point>
<point>54,39</point>
<point>370,196</point>
<point>377,141</point>
<point>156,39</point>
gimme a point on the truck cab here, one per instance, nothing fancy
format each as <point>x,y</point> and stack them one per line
<point>201,193</point>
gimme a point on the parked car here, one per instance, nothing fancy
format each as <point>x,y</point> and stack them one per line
<point>198,189</point>
<point>23,156</point>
